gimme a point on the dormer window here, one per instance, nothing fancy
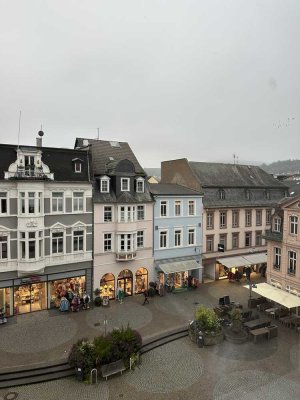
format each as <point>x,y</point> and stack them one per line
<point>104,184</point>
<point>267,194</point>
<point>140,185</point>
<point>248,195</point>
<point>77,163</point>
<point>277,224</point>
<point>222,194</point>
<point>125,184</point>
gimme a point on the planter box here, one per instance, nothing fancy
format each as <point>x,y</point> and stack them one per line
<point>210,340</point>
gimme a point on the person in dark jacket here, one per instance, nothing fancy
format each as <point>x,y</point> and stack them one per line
<point>146,295</point>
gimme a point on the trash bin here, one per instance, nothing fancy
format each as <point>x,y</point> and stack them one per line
<point>79,374</point>
<point>200,339</point>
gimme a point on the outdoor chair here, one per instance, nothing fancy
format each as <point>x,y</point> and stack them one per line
<point>273,329</point>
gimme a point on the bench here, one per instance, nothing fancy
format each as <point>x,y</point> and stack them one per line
<point>112,368</point>
<point>260,332</point>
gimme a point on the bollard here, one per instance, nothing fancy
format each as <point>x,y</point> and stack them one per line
<point>200,340</point>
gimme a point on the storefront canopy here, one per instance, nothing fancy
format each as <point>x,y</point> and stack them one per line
<point>179,266</point>
<point>275,294</point>
<point>258,258</point>
<point>241,261</point>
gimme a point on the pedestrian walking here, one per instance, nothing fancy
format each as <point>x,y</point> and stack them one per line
<point>146,295</point>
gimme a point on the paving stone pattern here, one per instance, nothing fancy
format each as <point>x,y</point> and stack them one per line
<point>37,332</point>
<point>172,367</point>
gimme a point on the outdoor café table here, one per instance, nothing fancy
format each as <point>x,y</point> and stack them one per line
<point>287,320</point>
<point>283,319</point>
<point>295,322</point>
<point>257,323</point>
<point>260,332</point>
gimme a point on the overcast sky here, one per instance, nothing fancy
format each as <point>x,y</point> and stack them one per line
<point>199,79</point>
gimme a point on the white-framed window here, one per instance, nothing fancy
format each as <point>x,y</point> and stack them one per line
<point>191,236</point>
<point>3,247</point>
<point>31,245</point>
<point>209,243</point>
<point>292,261</point>
<point>78,201</point>
<point>293,225</point>
<point>191,208</point>
<point>163,208</point>
<point>223,219</point>
<point>248,239</point>
<point>223,240</point>
<point>126,213</point>
<point>140,213</point>
<point>177,237</point>
<point>268,217</point>
<point>57,242</point>
<point>57,202</point>
<point>177,210</point>
<point>30,203</point>
<point>248,217</point>
<point>140,185</point>
<point>104,184</point>
<point>163,239</point>
<point>126,242</point>
<point>78,240</point>
<point>140,239</point>
<point>277,224</point>
<point>77,167</point>
<point>3,203</point>
<point>277,257</point>
<point>258,238</point>
<point>258,217</point>
<point>125,184</point>
<point>107,242</point>
<point>107,214</point>
<point>235,219</point>
<point>209,220</point>
<point>235,240</point>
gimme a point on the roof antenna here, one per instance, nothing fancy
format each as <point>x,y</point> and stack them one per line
<point>19,129</point>
<point>233,158</point>
<point>98,133</point>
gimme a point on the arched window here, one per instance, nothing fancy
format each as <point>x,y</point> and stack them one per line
<point>125,282</point>
<point>141,280</point>
<point>107,286</point>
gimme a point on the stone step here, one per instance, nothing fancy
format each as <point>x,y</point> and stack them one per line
<point>163,340</point>
<point>35,375</point>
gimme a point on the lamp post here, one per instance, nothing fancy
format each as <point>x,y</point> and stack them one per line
<point>105,325</point>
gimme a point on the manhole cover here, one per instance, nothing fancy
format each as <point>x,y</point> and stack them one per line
<point>97,324</point>
<point>196,302</point>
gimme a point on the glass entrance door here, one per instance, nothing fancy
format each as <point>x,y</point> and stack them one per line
<point>29,298</point>
<point>125,282</point>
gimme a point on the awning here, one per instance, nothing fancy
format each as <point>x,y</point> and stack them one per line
<point>179,266</point>
<point>275,294</point>
<point>241,261</point>
<point>258,258</point>
<point>231,262</point>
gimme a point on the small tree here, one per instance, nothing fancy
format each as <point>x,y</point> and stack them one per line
<point>207,319</point>
<point>82,355</point>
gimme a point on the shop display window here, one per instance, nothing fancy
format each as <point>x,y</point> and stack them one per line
<point>5,301</point>
<point>29,298</point>
<point>125,281</point>
<point>141,280</point>
<point>65,288</point>
<point>107,286</point>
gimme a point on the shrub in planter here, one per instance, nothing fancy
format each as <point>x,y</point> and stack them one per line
<point>82,355</point>
<point>208,320</point>
<point>128,341</point>
<point>236,320</point>
<point>105,350</point>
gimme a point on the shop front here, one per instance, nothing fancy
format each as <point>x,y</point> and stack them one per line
<point>179,274</point>
<point>233,268</point>
<point>40,292</point>
<point>107,286</point>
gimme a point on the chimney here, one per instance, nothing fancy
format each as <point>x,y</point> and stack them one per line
<point>39,139</point>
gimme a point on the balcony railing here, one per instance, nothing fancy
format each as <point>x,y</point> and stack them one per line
<point>275,236</point>
<point>126,255</point>
<point>30,173</point>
